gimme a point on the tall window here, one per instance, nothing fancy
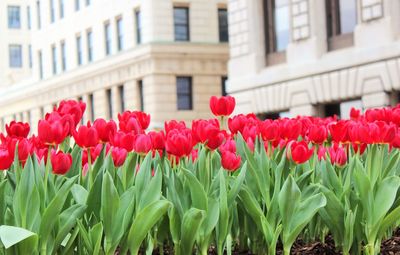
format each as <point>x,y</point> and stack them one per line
<point>91,107</point>
<point>77,5</point>
<point>181,23</point>
<point>14,17</point>
<point>223,85</point>
<point>120,35</point>
<point>223,25</point>
<point>79,49</point>
<point>109,103</point>
<point>107,38</point>
<point>40,60</point>
<point>52,11</point>
<point>38,17</point>
<point>138,20</point>
<point>63,57</point>
<point>121,95</point>
<point>277,23</point>
<point>87,2</point>
<point>184,93</point>
<point>15,55</point>
<point>28,17</point>
<point>141,95</point>
<point>89,41</point>
<point>54,58</point>
<point>341,19</point>
<point>30,55</point>
<point>61,5</point>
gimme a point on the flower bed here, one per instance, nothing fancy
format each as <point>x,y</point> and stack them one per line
<point>225,184</point>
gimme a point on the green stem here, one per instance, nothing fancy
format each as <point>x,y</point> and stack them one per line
<point>47,172</point>
<point>90,174</point>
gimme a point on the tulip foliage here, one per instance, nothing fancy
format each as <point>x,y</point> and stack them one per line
<point>229,184</point>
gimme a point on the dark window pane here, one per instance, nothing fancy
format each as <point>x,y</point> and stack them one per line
<point>90,46</point>
<point>181,23</point>
<point>40,65</point>
<point>52,11</point>
<point>30,55</point>
<point>61,3</point>
<point>79,49</point>
<point>141,96</point>
<point>54,57</point>
<point>38,18</point>
<point>107,34</point>
<point>109,103</point>
<point>184,93</point>
<point>14,17</point>
<point>77,5</point>
<point>28,14</point>
<point>223,85</point>
<point>138,27</point>
<point>63,57</point>
<point>223,25</point>
<point>120,35</point>
<point>282,22</point>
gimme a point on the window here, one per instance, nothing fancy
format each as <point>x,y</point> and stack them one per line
<point>61,5</point>
<point>77,5</point>
<point>138,19</point>
<point>223,25</point>
<point>107,37</point>
<point>223,85</point>
<point>120,35</point>
<point>40,60</point>
<point>54,58</point>
<point>141,95</point>
<point>39,21</point>
<point>89,45</point>
<point>277,23</point>
<point>121,95</point>
<point>341,19</point>
<point>109,103</point>
<point>28,17</point>
<point>181,23</point>
<point>79,50</point>
<point>15,55</point>
<point>63,57</point>
<point>184,93</point>
<point>52,11</point>
<point>14,17</point>
<point>91,106</point>
<point>332,109</point>
<point>87,2</point>
<point>30,55</point>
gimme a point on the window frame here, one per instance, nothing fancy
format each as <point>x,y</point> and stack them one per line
<point>12,56</point>
<point>221,29</point>
<point>186,24</point>
<point>189,94</point>
<point>335,39</point>
<point>273,57</point>
<point>14,17</point>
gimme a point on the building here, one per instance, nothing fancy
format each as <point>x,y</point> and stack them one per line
<point>165,57</point>
<point>313,57</point>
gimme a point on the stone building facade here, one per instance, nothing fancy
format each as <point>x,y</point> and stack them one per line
<point>165,57</point>
<point>314,57</point>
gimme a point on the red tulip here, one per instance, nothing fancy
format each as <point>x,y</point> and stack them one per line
<point>179,143</point>
<point>18,129</point>
<point>25,148</point>
<point>338,155</point>
<point>106,130</point>
<point>61,162</point>
<point>86,136</point>
<point>229,145</point>
<point>142,144</point>
<point>157,140</point>
<point>222,106</point>
<point>6,158</point>
<point>53,132</point>
<point>300,152</point>
<point>237,123</point>
<point>230,161</point>
<point>355,114</point>
<point>73,108</point>
<point>269,130</point>
<point>118,156</point>
<point>123,140</point>
<point>135,121</point>
<point>208,133</point>
<point>317,134</point>
<point>173,124</point>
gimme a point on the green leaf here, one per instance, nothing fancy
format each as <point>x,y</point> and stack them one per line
<point>152,192</point>
<point>197,192</point>
<point>79,193</point>
<point>191,223</point>
<point>234,191</point>
<point>95,235</point>
<point>385,196</point>
<point>10,235</point>
<point>143,223</point>
<point>288,200</point>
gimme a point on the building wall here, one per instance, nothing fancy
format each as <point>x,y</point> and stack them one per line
<point>312,75</point>
<point>157,61</point>
<point>9,36</point>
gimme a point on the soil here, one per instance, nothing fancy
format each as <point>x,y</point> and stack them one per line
<point>390,246</point>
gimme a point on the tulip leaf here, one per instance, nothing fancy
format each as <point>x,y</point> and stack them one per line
<point>197,193</point>
<point>144,221</point>
<point>191,223</point>
<point>25,239</point>
<point>79,193</point>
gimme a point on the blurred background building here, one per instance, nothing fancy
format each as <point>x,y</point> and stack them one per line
<point>313,57</point>
<point>162,56</point>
